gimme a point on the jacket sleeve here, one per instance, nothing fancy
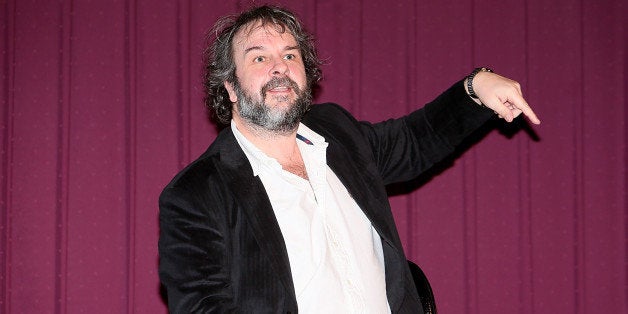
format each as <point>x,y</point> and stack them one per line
<point>193,252</point>
<point>403,148</point>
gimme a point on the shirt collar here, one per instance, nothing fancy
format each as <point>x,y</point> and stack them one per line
<point>258,158</point>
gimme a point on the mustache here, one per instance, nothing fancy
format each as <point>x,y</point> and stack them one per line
<point>280,81</point>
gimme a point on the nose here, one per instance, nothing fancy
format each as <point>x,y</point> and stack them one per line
<point>279,68</point>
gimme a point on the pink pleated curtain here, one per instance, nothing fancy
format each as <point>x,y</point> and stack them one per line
<point>102,105</point>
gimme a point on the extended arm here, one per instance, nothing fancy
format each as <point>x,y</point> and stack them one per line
<point>403,148</point>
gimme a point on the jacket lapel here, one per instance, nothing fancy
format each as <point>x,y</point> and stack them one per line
<point>252,200</point>
<point>366,196</point>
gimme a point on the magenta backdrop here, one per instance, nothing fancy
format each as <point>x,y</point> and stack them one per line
<point>101,106</point>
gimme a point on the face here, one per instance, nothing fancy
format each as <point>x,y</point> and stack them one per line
<point>271,90</point>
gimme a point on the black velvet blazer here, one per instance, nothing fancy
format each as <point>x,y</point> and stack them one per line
<point>220,246</point>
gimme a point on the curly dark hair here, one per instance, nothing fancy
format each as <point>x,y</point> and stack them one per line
<point>219,64</point>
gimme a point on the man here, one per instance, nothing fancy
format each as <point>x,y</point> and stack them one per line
<point>287,211</point>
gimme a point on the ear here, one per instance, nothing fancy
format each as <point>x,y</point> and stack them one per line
<point>232,94</point>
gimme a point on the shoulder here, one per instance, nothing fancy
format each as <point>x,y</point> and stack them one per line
<point>189,183</point>
<point>339,128</point>
<point>329,116</point>
<point>206,170</point>
<point>327,110</point>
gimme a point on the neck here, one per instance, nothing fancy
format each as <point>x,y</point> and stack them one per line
<point>281,146</point>
<point>273,143</point>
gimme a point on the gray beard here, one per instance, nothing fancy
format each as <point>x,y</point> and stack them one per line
<point>261,116</point>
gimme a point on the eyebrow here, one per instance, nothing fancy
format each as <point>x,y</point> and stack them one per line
<point>287,48</point>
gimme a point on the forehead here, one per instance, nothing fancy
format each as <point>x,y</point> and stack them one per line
<point>256,33</point>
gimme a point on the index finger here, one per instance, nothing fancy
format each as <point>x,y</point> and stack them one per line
<point>522,105</point>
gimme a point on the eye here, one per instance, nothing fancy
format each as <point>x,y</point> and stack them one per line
<point>259,59</point>
<point>290,57</point>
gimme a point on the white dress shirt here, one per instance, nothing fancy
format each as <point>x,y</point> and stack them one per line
<point>335,254</point>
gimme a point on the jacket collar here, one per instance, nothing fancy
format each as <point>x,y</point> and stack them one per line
<point>238,175</point>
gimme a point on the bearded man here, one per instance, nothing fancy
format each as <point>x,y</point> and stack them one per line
<point>287,210</point>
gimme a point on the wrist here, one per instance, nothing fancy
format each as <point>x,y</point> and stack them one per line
<point>466,89</point>
<point>469,83</point>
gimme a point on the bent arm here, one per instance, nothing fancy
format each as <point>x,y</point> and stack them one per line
<point>193,255</point>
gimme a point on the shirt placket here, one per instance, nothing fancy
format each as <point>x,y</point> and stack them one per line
<point>338,252</point>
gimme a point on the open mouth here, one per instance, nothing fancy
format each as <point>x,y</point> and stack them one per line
<point>280,85</point>
<point>280,89</point>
